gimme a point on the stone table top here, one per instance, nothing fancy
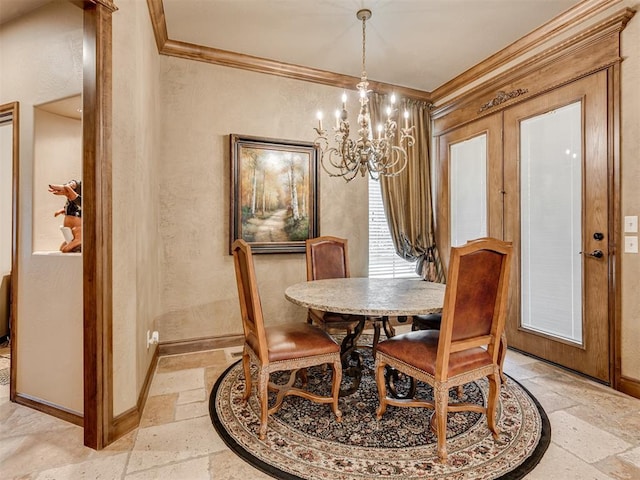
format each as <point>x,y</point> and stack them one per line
<point>369,296</point>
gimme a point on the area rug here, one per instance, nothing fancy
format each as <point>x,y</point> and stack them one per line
<point>305,442</point>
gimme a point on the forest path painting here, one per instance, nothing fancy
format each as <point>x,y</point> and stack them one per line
<point>274,201</point>
<point>270,229</point>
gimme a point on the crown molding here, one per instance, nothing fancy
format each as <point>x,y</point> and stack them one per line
<point>226,58</point>
<point>553,28</point>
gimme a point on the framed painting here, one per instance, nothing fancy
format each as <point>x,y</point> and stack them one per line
<point>274,193</point>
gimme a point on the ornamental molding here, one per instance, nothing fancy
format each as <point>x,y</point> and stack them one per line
<point>502,97</point>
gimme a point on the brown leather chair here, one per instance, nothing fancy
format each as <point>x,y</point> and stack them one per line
<point>473,317</point>
<point>280,347</point>
<point>328,257</point>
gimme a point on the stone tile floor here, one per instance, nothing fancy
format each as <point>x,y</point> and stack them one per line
<point>595,430</point>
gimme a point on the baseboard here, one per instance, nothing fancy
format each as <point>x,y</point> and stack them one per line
<point>50,409</point>
<point>199,344</point>
<point>629,386</point>
<point>129,420</point>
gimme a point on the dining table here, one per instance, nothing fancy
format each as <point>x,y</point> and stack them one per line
<point>373,300</point>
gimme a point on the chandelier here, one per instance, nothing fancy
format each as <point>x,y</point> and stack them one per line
<point>374,155</point>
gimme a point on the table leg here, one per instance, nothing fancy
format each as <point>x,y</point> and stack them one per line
<point>348,353</point>
<point>393,376</point>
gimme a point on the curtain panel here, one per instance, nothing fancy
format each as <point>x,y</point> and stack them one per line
<point>407,197</point>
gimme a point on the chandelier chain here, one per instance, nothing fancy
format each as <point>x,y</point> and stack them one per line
<point>364,43</point>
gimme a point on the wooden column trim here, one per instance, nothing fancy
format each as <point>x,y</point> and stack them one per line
<point>96,166</point>
<point>13,110</point>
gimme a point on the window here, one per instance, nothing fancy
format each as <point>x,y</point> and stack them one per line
<point>383,260</point>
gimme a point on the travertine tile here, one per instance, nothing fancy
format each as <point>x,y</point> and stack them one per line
<point>588,393</point>
<point>233,354</point>
<point>159,409</point>
<point>174,442</point>
<point>519,358</point>
<point>177,381</point>
<point>187,361</point>
<point>558,464</point>
<point>4,392</point>
<point>622,423</point>
<point>103,468</point>
<point>550,401</point>
<point>196,469</point>
<point>211,375</point>
<point>192,410</point>
<point>191,396</point>
<point>631,457</point>
<point>19,420</point>
<point>625,466</point>
<point>595,430</point>
<point>585,441</point>
<point>44,450</point>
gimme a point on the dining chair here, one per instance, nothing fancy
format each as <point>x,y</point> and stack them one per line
<point>466,347</point>
<point>286,347</point>
<point>328,257</point>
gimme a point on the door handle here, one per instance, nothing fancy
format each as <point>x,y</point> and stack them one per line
<point>594,254</point>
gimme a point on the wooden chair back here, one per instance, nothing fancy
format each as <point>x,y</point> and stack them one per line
<point>327,257</point>
<point>475,301</point>
<point>250,305</point>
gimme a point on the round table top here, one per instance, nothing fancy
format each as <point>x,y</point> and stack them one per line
<point>369,296</point>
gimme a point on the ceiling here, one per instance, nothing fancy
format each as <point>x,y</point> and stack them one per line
<point>419,44</point>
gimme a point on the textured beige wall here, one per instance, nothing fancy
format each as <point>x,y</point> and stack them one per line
<point>136,239</point>
<point>203,104</point>
<point>630,169</point>
<point>41,61</point>
<point>57,159</point>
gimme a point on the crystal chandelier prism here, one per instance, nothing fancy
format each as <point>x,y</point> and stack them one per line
<point>371,154</point>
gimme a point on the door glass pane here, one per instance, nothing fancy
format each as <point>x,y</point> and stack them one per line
<point>551,226</point>
<point>468,189</point>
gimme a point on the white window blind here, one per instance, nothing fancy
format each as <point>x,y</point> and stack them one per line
<point>383,260</point>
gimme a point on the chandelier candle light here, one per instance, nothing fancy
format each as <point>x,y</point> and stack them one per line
<point>377,156</point>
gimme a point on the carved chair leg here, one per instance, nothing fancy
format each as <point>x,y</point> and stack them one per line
<point>502,354</point>
<point>382,389</point>
<point>263,382</point>
<point>441,397</point>
<point>492,404</point>
<point>335,388</point>
<point>246,365</point>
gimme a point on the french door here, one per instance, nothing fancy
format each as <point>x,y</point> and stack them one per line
<point>556,212</point>
<point>542,166</point>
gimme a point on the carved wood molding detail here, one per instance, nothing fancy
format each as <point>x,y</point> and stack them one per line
<point>502,97</point>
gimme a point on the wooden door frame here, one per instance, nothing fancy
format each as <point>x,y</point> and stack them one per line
<point>96,255</point>
<point>97,231</point>
<point>13,110</point>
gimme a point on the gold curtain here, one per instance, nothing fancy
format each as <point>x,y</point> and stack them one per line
<point>407,197</point>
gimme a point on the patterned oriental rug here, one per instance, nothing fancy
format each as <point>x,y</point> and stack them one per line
<point>305,442</point>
